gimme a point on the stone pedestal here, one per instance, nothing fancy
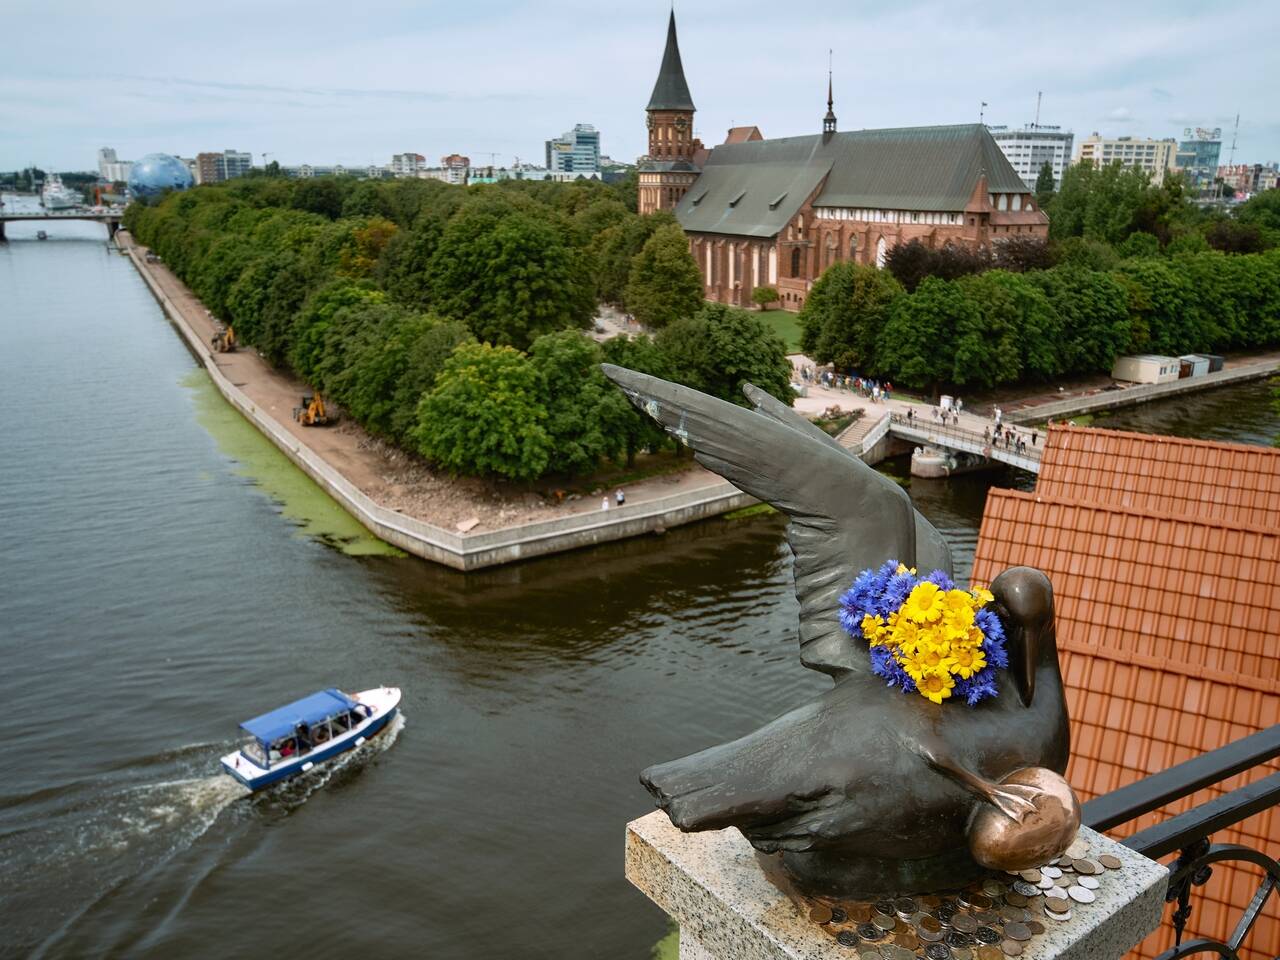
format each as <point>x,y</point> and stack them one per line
<point>714,887</point>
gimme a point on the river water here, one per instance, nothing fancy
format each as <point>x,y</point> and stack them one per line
<point>164,578</point>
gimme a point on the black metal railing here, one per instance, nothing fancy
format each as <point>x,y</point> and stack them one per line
<point>990,446</point>
<point>1188,834</point>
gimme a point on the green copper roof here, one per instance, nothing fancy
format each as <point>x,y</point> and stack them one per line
<point>671,92</point>
<point>908,168</point>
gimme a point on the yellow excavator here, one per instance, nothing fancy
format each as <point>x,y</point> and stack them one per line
<point>312,412</point>
<point>224,341</point>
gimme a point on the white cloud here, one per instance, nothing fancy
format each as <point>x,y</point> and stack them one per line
<point>436,77</point>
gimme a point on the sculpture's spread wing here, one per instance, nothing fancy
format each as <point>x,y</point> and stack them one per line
<point>932,552</point>
<point>844,516</point>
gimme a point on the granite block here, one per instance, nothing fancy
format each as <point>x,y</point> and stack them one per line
<point>712,884</point>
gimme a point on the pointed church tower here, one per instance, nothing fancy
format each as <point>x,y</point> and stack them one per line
<point>668,170</point>
<point>829,121</point>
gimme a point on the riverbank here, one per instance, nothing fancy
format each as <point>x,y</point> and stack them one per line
<point>400,500</point>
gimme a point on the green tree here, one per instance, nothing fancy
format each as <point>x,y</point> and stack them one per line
<point>1093,312</point>
<point>763,296</point>
<point>1140,244</point>
<point>664,283</point>
<point>509,275</point>
<point>1044,185</point>
<point>988,332</point>
<point>322,195</point>
<point>720,348</point>
<point>638,431</point>
<point>844,313</point>
<point>574,392</point>
<point>404,269</point>
<point>485,415</point>
<point>616,246</point>
<point>914,347</point>
<point>1039,326</point>
<point>366,199</point>
<point>311,324</point>
<point>1098,203</point>
<point>1162,318</point>
<point>1263,210</point>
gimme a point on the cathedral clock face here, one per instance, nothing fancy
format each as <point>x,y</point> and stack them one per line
<point>681,123</point>
<point>648,120</point>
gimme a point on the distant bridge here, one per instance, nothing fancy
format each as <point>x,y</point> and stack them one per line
<point>111,218</point>
<point>950,437</point>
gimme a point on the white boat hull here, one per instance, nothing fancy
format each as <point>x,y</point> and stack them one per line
<point>384,702</point>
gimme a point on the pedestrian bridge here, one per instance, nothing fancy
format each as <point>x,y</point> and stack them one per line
<point>952,437</point>
<point>111,218</point>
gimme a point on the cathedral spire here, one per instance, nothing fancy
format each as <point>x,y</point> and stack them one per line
<point>671,92</point>
<point>829,121</point>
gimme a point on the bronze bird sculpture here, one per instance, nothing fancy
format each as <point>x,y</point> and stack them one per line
<point>867,791</point>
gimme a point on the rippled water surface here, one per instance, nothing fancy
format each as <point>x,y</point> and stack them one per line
<point>155,594</point>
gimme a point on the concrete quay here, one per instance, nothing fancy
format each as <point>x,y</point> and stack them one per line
<point>461,551</point>
<point>1139,393</point>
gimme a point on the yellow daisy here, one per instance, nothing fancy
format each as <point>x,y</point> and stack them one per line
<point>924,604</point>
<point>936,686</point>
<point>967,661</point>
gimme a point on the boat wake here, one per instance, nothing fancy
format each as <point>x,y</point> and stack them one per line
<point>73,850</point>
<point>345,767</point>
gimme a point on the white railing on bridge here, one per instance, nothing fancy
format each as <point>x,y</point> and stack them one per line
<point>952,437</point>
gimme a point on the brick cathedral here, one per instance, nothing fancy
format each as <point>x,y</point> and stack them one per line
<point>777,213</point>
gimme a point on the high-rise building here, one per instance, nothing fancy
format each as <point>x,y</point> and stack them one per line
<point>216,167</point>
<point>407,164</point>
<point>669,168</point>
<point>1154,156</point>
<point>111,167</point>
<point>1198,154</point>
<point>1029,148</point>
<point>575,151</point>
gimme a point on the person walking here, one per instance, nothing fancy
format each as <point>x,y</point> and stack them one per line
<point>621,497</point>
<point>1033,438</point>
<point>604,504</point>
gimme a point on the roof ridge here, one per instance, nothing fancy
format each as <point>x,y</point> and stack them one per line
<point>1162,439</point>
<point>1133,512</point>
<point>1136,658</point>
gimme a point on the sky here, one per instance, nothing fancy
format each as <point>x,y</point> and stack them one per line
<point>325,82</point>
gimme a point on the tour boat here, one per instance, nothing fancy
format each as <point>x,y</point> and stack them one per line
<point>294,738</point>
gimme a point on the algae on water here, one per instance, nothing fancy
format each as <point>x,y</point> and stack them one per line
<point>301,499</point>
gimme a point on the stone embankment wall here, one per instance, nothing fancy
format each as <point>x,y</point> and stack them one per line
<point>457,550</point>
<point>1140,393</point>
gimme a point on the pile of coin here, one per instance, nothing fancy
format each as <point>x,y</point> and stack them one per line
<point>993,918</point>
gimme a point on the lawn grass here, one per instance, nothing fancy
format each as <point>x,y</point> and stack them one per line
<point>785,325</point>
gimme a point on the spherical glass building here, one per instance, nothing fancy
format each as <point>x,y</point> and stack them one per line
<point>157,172</point>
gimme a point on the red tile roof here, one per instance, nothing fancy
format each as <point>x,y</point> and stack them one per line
<point>1167,474</point>
<point>1168,620</point>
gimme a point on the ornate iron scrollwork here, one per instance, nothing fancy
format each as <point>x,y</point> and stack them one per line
<point>1193,868</point>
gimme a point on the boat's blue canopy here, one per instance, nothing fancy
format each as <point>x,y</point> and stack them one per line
<point>282,721</point>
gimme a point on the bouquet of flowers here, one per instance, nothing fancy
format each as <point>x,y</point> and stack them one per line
<point>926,636</point>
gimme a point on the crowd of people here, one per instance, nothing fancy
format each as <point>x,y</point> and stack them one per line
<point>865,387</point>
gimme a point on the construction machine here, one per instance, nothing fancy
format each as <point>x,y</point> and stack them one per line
<point>312,412</point>
<point>224,341</point>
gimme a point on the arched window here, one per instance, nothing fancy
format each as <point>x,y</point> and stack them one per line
<point>831,250</point>
<point>795,262</point>
<point>881,249</point>
<point>853,248</point>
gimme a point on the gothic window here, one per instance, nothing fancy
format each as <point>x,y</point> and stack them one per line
<point>881,250</point>
<point>853,248</point>
<point>831,249</point>
<point>795,262</point>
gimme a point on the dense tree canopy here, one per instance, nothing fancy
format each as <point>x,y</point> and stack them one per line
<point>664,284</point>
<point>844,314</point>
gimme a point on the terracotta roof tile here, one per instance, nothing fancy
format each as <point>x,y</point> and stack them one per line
<point>1165,559</point>
<point>1234,482</point>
